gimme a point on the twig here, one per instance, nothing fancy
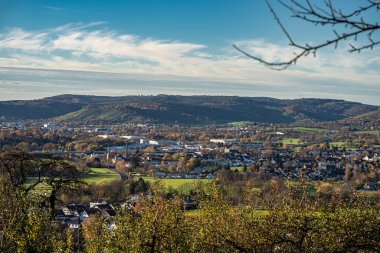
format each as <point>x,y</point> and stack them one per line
<point>329,15</point>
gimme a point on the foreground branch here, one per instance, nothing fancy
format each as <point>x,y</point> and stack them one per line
<point>327,16</point>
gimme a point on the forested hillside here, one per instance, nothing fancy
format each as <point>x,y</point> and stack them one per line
<point>181,109</point>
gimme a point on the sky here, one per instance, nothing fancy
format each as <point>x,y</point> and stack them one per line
<point>148,47</point>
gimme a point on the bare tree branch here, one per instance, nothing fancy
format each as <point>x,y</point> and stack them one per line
<point>328,15</point>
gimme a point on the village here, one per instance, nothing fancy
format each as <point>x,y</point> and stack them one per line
<point>182,152</point>
<point>170,153</point>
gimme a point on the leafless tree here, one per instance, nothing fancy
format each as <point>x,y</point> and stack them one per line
<point>347,26</point>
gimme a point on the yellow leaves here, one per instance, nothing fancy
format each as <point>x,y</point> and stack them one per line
<point>157,225</point>
<point>26,228</point>
<point>325,188</point>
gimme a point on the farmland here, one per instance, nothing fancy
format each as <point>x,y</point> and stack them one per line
<point>309,129</point>
<point>100,176</point>
<point>291,141</point>
<point>176,183</point>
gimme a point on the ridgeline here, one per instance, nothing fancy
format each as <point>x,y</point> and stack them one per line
<point>171,109</point>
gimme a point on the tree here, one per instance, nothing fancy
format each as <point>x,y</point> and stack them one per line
<point>192,163</point>
<point>346,26</point>
<point>154,225</point>
<point>245,167</point>
<point>135,160</point>
<point>61,177</point>
<point>94,232</point>
<point>121,167</point>
<point>347,173</point>
<point>24,225</point>
<point>16,166</point>
<point>139,186</point>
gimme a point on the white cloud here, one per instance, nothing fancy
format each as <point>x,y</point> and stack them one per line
<point>22,40</point>
<point>90,47</point>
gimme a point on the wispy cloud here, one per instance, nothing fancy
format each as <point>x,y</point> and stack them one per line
<point>53,8</point>
<point>93,47</point>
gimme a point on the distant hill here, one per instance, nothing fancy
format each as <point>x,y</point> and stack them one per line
<point>181,109</point>
<point>370,119</point>
<point>35,109</point>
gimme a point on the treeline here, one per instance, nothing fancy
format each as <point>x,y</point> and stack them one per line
<point>233,215</point>
<point>160,225</point>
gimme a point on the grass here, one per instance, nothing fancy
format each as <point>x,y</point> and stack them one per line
<point>239,168</point>
<point>41,189</point>
<point>96,176</point>
<point>291,141</point>
<point>193,213</point>
<point>259,213</point>
<point>341,144</point>
<point>368,132</point>
<point>338,144</point>
<point>176,183</point>
<point>239,123</point>
<point>368,193</point>
<point>309,129</point>
<point>100,176</point>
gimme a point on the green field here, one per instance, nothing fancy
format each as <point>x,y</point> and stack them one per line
<point>338,144</point>
<point>368,132</point>
<point>259,213</point>
<point>239,168</point>
<point>291,141</point>
<point>96,176</point>
<point>175,183</point>
<point>100,176</point>
<point>341,144</point>
<point>239,123</point>
<point>309,129</point>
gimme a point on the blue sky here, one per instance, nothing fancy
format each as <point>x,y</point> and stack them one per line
<point>170,46</point>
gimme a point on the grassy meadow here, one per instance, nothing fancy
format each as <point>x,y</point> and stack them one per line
<point>100,176</point>
<point>291,141</point>
<point>181,184</point>
<point>309,129</point>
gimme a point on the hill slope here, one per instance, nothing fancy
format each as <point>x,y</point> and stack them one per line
<point>370,119</point>
<point>181,109</point>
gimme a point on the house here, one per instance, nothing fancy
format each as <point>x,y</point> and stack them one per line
<point>223,141</point>
<point>133,137</point>
<point>159,174</point>
<point>106,136</point>
<point>73,223</point>
<point>51,126</point>
<point>97,203</point>
<point>162,142</point>
<point>197,170</point>
<point>85,214</point>
<point>109,213</point>
<point>117,158</point>
<point>102,130</point>
<point>189,203</point>
<point>103,207</point>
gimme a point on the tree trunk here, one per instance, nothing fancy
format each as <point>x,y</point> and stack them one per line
<point>52,202</point>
